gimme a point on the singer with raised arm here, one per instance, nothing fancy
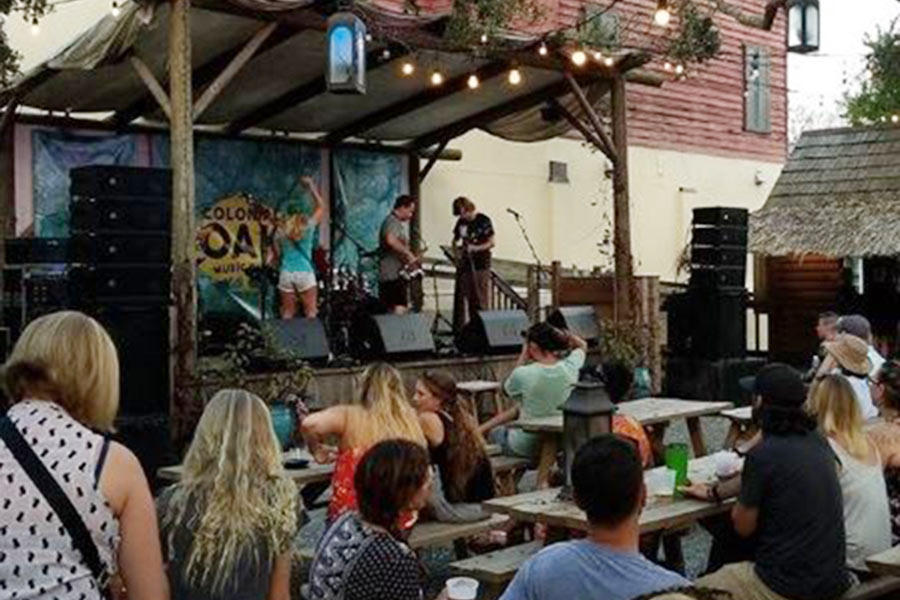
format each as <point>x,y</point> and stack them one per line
<point>473,239</point>
<point>293,251</point>
<point>397,257</point>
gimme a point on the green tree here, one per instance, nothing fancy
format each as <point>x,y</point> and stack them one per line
<point>878,100</point>
<point>31,10</point>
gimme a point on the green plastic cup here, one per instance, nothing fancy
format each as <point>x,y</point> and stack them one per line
<point>677,460</point>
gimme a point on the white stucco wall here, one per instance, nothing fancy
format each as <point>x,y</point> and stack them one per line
<point>567,222</point>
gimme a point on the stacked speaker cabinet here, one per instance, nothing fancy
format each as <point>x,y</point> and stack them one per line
<point>709,319</point>
<point>120,274</point>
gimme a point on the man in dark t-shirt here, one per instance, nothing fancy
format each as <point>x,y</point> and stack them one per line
<point>790,501</point>
<point>473,238</point>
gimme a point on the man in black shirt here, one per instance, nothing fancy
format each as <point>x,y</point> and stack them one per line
<point>790,501</point>
<point>473,238</point>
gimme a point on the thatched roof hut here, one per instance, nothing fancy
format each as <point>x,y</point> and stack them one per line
<point>838,195</point>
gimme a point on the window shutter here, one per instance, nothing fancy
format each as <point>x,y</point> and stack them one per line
<point>757,90</point>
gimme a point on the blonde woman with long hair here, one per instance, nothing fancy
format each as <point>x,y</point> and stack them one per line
<point>63,382</point>
<point>382,411</point>
<point>228,524</point>
<point>866,513</point>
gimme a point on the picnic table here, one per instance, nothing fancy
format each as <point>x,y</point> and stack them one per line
<point>660,514</point>
<point>742,426</point>
<point>655,414</point>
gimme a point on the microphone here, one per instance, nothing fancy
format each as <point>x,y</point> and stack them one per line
<point>513,213</point>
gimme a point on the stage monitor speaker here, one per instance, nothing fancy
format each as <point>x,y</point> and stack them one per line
<point>493,331</point>
<point>580,320</point>
<point>381,336</point>
<point>304,338</point>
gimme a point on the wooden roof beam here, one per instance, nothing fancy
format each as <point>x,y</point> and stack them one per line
<point>204,74</point>
<point>307,91</point>
<point>492,114</point>
<point>606,144</point>
<point>581,127</point>
<point>428,96</point>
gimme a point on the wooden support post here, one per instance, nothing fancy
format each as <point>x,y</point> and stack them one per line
<point>655,358</point>
<point>153,84</point>
<point>621,211</point>
<point>417,291</point>
<point>583,129</point>
<point>183,251</point>
<point>234,67</point>
<point>611,150</point>
<point>555,277</point>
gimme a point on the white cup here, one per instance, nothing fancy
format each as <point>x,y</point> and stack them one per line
<point>462,588</point>
<point>728,464</point>
<point>661,482</point>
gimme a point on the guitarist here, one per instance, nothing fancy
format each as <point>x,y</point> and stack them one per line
<point>293,250</point>
<point>473,238</point>
<point>396,256</point>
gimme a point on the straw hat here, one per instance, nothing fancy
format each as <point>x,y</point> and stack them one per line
<point>851,353</point>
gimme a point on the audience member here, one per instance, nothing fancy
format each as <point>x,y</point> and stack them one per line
<point>362,556</point>
<point>457,449</point>
<point>886,435</point>
<point>827,327</point>
<point>382,412</point>
<point>866,514</point>
<point>608,484</point>
<point>619,379</point>
<point>848,356</point>
<point>540,382</point>
<point>859,326</point>
<point>62,379</point>
<point>228,524</point>
<point>790,501</point>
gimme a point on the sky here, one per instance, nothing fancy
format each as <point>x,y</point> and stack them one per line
<point>816,82</point>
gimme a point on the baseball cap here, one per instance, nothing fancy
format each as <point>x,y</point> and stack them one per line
<point>780,385</point>
<point>856,325</point>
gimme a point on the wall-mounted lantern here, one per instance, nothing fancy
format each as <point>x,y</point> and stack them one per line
<point>346,73</point>
<point>803,26</point>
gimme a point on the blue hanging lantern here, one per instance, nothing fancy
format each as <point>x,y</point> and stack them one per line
<point>803,26</point>
<point>346,73</point>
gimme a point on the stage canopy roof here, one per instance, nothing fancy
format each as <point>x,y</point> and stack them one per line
<point>282,87</point>
<point>838,195</point>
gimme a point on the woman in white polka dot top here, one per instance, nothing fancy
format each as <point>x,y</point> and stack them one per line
<point>63,381</point>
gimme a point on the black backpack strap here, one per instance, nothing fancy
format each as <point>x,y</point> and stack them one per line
<point>58,500</point>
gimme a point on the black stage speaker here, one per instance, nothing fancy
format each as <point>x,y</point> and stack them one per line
<point>120,213</point>
<point>121,284</point>
<point>97,180</point>
<point>141,336</point>
<point>381,336</point>
<point>120,247</point>
<point>35,251</point>
<point>493,331</point>
<point>580,320</point>
<point>304,338</point>
<point>709,324</point>
<point>149,438</point>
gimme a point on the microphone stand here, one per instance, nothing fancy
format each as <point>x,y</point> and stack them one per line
<point>534,254</point>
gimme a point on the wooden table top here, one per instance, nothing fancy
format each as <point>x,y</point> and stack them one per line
<point>648,411</point>
<point>886,563</point>
<point>475,387</point>
<point>661,513</point>
<point>742,413</point>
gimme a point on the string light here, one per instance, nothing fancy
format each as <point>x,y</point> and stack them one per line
<point>610,61</point>
<point>579,58</point>
<point>386,54</point>
<point>515,76</point>
<point>662,16</point>
<point>667,66</point>
<point>542,49</point>
<point>408,69</point>
<point>437,78</point>
<point>598,55</point>
<point>473,82</point>
<point>484,38</point>
<point>679,69</point>
<point>895,119</point>
<point>115,10</point>
<point>35,27</point>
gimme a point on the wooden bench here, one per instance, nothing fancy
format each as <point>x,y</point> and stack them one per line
<point>432,533</point>
<point>506,472</point>
<point>496,569</point>
<point>884,586</point>
<point>473,391</point>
